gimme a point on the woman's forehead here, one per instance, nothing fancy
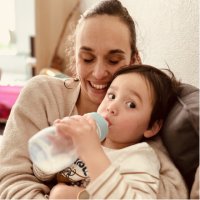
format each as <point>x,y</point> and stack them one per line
<point>106,31</point>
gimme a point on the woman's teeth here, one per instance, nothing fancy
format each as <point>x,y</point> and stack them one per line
<point>98,87</point>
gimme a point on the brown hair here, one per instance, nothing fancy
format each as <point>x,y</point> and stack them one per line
<point>106,7</point>
<point>164,88</point>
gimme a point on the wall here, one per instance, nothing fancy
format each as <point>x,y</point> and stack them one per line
<point>45,20</point>
<point>168,34</point>
<point>50,19</point>
<point>14,63</point>
<point>25,24</point>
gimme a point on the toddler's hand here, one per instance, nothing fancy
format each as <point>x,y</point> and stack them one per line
<point>62,191</point>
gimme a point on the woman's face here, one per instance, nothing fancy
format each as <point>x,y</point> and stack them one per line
<point>102,47</point>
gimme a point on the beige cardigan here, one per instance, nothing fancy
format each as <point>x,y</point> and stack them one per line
<point>43,100</point>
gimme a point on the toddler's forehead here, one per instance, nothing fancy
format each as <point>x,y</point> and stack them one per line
<point>130,78</point>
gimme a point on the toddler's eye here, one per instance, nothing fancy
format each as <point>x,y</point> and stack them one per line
<point>111,96</point>
<point>131,105</point>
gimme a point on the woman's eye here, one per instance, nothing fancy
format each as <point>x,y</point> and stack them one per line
<point>131,105</point>
<point>111,96</point>
<point>86,57</point>
<point>113,62</point>
<point>88,60</point>
<point>115,59</point>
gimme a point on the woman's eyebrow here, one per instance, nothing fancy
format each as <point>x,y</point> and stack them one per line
<point>114,51</point>
<point>86,48</point>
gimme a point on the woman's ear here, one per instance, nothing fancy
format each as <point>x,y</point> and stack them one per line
<point>136,59</point>
<point>154,129</point>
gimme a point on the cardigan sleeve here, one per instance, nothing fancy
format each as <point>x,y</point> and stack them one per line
<point>133,177</point>
<point>37,106</point>
<point>42,176</point>
<point>172,184</point>
<point>112,185</point>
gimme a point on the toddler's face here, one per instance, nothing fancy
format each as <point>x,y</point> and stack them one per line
<point>127,107</point>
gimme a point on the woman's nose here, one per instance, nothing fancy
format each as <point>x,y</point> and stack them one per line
<point>100,70</point>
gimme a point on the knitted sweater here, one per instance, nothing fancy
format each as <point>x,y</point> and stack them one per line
<point>41,101</point>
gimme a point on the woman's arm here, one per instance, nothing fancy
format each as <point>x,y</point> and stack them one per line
<point>133,174</point>
<point>42,176</point>
<point>30,114</point>
<point>169,187</point>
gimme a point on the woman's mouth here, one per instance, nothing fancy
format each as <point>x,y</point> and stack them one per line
<point>99,86</point>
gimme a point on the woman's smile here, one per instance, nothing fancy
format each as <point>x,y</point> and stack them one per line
<point>98,88</point>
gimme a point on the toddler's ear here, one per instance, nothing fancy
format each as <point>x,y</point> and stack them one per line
<point>154,129</point>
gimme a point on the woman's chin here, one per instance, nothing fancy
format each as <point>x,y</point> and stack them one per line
<point>97,97</point>
<point>99,93</point>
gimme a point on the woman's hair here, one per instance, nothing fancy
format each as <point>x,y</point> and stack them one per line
<point>164,88</point>
<point>106,7</point>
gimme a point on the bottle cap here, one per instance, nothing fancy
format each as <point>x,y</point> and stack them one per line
<point>101,123</point>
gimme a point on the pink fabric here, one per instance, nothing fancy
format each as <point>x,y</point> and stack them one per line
<point>8,96</point>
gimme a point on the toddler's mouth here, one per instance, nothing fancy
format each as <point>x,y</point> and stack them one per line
<point>109,123</point>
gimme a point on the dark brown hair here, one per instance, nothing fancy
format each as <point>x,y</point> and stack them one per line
<point>164,88</point>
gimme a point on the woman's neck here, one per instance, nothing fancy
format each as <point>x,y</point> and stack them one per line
<point>84,106</point>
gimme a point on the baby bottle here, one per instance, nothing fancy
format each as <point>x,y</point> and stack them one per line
<point>52,153</point>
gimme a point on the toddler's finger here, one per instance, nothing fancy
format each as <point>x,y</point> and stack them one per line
<point>56,121</point>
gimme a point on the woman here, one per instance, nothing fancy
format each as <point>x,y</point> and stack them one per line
<point>101,48</point>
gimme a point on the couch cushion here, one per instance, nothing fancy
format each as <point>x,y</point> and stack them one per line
<point>180,132</point>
